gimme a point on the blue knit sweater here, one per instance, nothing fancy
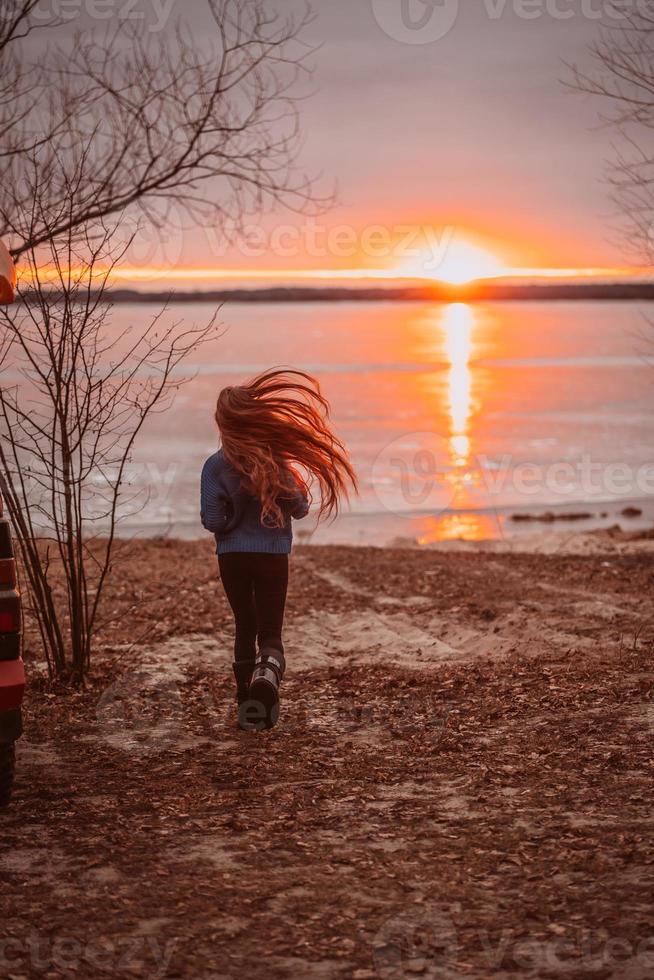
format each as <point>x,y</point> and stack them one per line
<point>234,516</point>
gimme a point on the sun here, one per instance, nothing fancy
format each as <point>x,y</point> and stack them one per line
<point>455,262</point>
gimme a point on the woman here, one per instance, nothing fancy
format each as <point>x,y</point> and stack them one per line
<point>276,441</point>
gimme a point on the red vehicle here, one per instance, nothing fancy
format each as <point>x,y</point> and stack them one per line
<point>12,672</point>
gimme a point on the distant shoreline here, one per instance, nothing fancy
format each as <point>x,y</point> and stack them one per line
<point>477,292</point>
<point>470,293</point>
<point>509,523</point>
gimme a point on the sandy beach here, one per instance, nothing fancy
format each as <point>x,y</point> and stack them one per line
<point>459,784</point>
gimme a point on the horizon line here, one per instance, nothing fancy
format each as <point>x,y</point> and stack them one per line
<point>620,274</point>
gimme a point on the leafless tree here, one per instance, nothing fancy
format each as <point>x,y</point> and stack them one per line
<point>15,21</point>
<point>145,120</point>
<point>98,127</point>
<point>15,103</point>
<point>75,397</point>
<point>624,79</point>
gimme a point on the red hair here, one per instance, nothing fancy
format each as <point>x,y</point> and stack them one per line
<point>275,431</point>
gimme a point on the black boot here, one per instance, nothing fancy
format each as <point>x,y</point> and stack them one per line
<point>266,679</point>
<point>243,673</point>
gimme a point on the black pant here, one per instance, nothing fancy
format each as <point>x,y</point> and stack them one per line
<point>255,585</point>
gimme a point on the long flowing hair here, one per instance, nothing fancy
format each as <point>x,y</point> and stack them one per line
<point>275,431</point>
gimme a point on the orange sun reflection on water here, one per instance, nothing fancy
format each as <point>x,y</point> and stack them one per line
<point>457,324</point>
<point>468,526</point>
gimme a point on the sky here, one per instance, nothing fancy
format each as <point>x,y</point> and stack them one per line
<point>454,144</point>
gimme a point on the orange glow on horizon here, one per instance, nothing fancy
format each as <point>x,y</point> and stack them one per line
<point>460,262</point>
<point>454,262</point>
<point>209,275</point>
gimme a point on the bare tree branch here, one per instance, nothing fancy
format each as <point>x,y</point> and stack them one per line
<point>624,79</point>
<point>74,403</point>
<point>127,119</point>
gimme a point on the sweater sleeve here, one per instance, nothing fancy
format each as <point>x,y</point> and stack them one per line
<point>299,505</point>
<point>213,500</point>
<point>296,502</point>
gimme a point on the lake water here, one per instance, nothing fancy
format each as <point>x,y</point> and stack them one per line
<point>456,416</point>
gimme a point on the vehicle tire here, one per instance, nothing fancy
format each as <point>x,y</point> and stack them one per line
<point>7,771</point>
